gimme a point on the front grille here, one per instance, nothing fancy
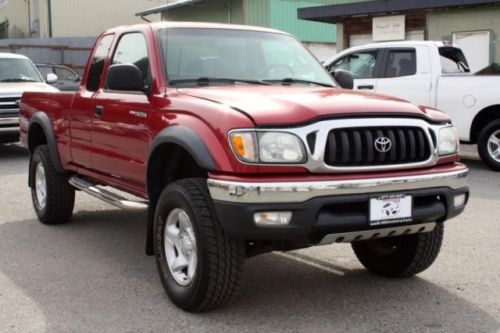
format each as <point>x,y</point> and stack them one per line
<point>9,107</point>
<point>351,147</point>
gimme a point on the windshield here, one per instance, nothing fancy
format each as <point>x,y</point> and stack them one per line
<point>453,60</point>
<point>225,56</point>
<point>18,70</point>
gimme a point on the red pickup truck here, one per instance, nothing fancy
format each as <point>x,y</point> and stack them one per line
<point>238,142</point>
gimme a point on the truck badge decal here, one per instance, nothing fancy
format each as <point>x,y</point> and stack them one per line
<point>383,144</point>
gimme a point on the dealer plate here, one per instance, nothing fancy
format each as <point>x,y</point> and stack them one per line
<point>390,209</point>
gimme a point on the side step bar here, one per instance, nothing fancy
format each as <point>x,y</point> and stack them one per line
<point>106,196</point>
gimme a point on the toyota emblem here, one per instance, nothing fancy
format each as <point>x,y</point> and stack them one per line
<point>383,144</point>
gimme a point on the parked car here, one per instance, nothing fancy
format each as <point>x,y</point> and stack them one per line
<point>234,154</point>
<point>435,74</point>
<point>17,75</point>
<point>67,79</point>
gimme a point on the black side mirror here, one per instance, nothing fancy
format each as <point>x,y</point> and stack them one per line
<point>344,78</point>
<point>125,77</point>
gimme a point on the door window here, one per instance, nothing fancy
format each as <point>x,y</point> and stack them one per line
<point>44,70</point>
<point>361,64</point>
<point>97,65</point>
<point>401,63</point>
<point>132,49</point>
<point>65,74</point>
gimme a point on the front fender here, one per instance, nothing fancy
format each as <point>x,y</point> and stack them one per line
<point>41,119</point>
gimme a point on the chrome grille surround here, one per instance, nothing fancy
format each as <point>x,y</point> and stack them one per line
<point>320,130</point>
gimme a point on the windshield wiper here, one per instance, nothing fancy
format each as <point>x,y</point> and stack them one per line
<point>289,81</point>
<point>17,80</point>
<point>205,81</point>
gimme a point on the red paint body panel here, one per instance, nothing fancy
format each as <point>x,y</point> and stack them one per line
<point>114,148</point>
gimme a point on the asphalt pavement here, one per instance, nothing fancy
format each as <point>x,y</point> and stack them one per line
<point>91,275</point>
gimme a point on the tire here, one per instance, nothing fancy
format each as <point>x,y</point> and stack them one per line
<point>52,195</point>
<point>488,145</point>
<point>212,278</point>
<point>401,256</point>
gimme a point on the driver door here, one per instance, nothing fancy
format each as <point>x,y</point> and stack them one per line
<point>363,65</point>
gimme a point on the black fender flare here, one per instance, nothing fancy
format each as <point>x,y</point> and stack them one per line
<point>190,142</point>
<point>41,119</point>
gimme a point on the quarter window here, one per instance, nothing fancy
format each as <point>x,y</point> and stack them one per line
<point>97,65</point>
<point>401,63</point>
<point>360,64</point>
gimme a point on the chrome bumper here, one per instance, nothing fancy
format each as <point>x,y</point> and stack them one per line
<point>296,192</point>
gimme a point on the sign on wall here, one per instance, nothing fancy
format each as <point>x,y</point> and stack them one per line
<point>388,28</point>
<point>3,3</point>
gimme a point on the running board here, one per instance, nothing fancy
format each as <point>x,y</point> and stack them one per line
<point>348,237</point>
<point>105,195</point>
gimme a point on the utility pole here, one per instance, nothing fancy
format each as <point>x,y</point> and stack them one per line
<point>29,17</point>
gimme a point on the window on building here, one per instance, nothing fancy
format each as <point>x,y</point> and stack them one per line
<point>401,63</point>
<point>453,60</point>
<point>97,65</point>
<point>360,64</point>
<point>132,49</point>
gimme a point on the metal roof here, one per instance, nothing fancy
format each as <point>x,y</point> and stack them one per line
<point>163,8</point>
<point>337,13</point>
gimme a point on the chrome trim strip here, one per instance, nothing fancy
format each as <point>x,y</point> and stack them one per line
<point>296,192</point>
<point>348,237</point>
<point>9,121</point>
<point>9,129</point>
<point>315,161</point>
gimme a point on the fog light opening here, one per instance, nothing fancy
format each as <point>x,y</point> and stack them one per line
<point>459,200</point>
<point>272,218</point>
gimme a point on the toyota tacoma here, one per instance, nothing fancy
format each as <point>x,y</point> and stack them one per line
<point>238,142</point>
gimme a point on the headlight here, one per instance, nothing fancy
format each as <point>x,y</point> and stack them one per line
<point>268,147</point>
<point>447,141</point>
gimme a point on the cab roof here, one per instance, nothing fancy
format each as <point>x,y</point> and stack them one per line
<point>197,25</point>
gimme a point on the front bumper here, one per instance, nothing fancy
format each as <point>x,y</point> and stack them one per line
<point>324,208</point>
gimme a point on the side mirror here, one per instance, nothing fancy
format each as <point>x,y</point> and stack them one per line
<point>51,78</point>
<point>344,78</point>
<point>125,77</point>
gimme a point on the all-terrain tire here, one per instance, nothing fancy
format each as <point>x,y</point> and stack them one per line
<point>219,257</point>
<point>401,256</point>
<point>493,162</point>
<point>59,195</point>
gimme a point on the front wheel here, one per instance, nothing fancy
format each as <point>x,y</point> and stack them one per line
<point>199,265</point>
<point>53,197</point>
<point>488,145</point>
<point>400,256</point>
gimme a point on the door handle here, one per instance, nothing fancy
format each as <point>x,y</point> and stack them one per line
<point>369,86</point>
<point>98,110</point>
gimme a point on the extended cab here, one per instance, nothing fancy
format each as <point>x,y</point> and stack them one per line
<point>237,151</point>
<point>434,74</point>
<point>17,75</point>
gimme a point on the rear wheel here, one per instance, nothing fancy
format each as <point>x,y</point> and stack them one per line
<point>488,145</point>
<point>53,197</point>
<point>199,265</point>
<point>400,256</point>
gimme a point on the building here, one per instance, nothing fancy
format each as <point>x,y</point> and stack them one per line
<point>67,18</point>
<point>277,14</point>
<point>472,24</point>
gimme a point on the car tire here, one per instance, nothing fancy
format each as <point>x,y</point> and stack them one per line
<point>401,256</point>
<point>488,145</point>
<point>186,227</point>
<point>53,197</point>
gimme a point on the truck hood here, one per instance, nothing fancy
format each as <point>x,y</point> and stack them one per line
<point>287,105</point>
<point>17,88</point>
